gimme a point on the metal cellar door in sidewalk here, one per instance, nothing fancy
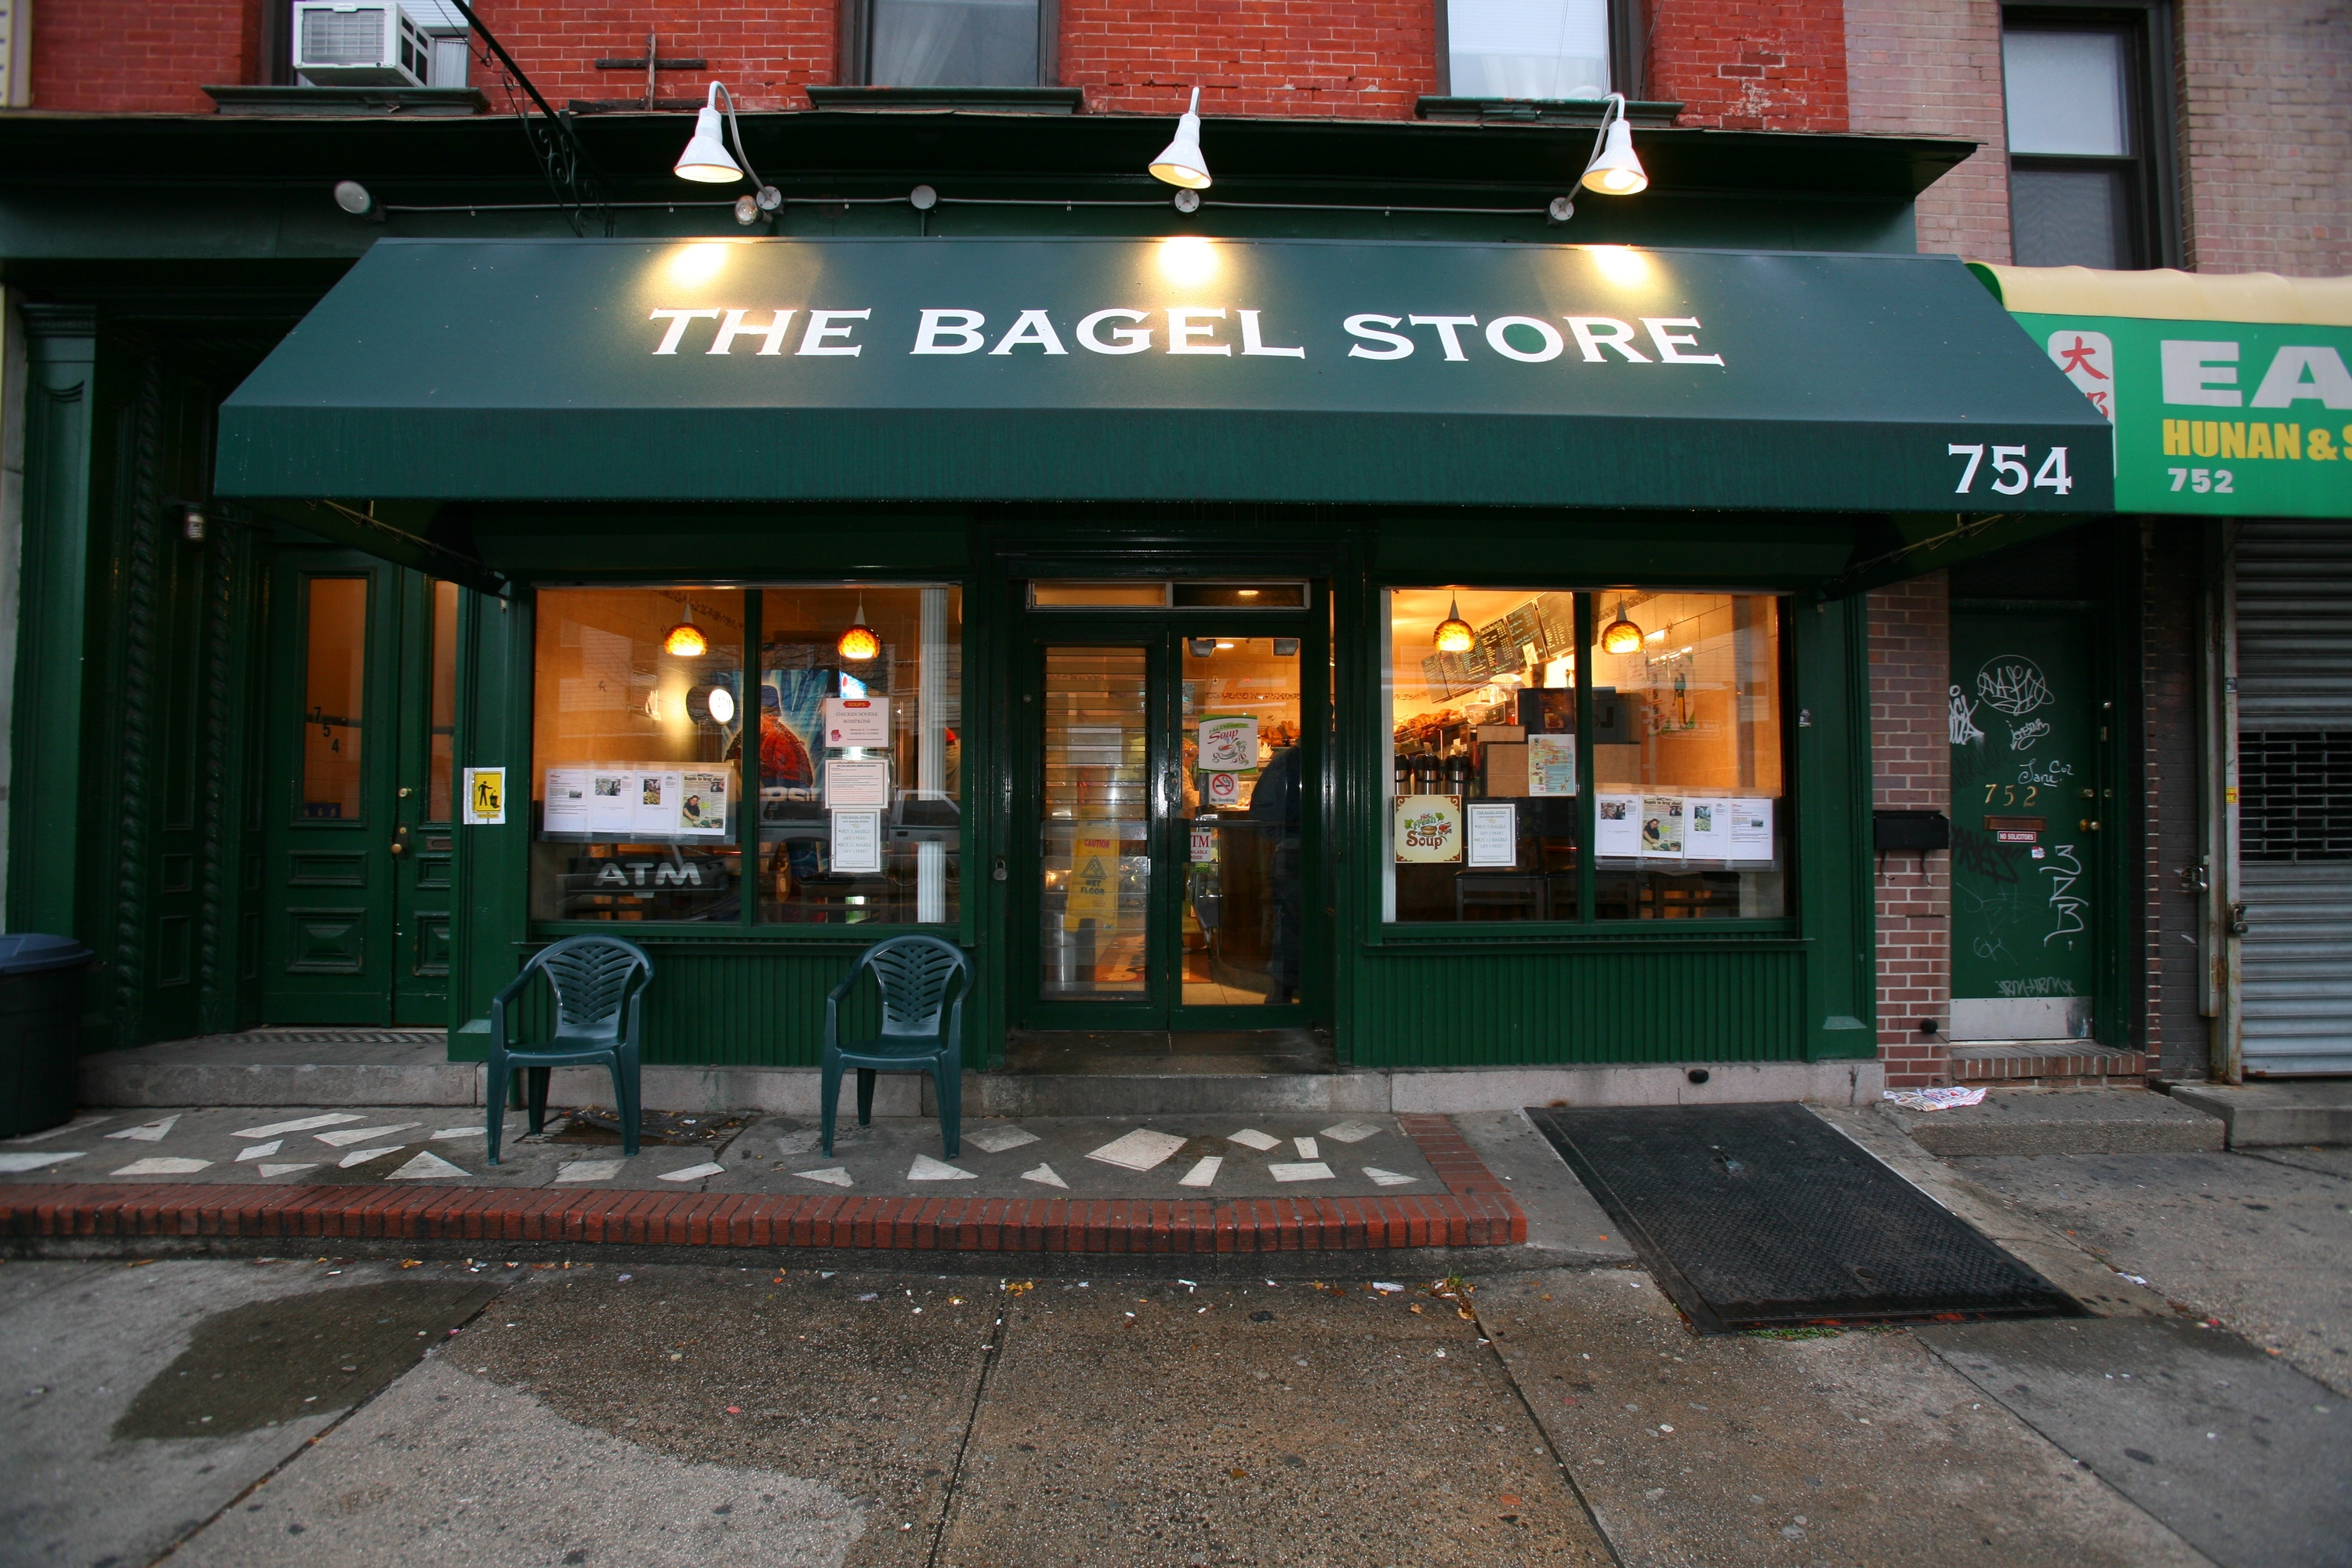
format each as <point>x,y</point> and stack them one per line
<point>1171,787</point>
<point>2028,740</point>
<point>359,800</point>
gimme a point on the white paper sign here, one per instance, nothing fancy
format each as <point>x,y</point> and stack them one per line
<point>856,785</point>
<point>1222,789</point>
<point>857,722</point>
<point>609,806</point>
<point>1205,845</point>
<point>565,809</point>
<point>1751,829</point>
<point>652,800</point>
<point>1661,826</point>
<point>1492,836</point>
<point>1552,764</point>
<point>1707,829</point>
<point>857,841</point>
<point>1228,744</point>
<point>702,805</point>
<point>1617,826</point>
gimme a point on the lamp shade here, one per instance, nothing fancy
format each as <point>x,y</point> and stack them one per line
<point>860,642</point>
<point>706,158</point>
<point>685,640</point>
<point>1616,172</point>
<point>1454,634</point>
<point>1621,635</point>
<point>1180,163</point>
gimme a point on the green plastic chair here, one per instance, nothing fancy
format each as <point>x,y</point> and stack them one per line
<point>922,1029</point>
<point>600,989</point>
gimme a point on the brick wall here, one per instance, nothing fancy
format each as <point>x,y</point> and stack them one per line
<point>1751,64</point>
<point>1342,59</point>
<point>136,57</point>
<point>1911,766</point>
<point>1932,67</point>
<point>765,54</point>
<point>2267,140</point>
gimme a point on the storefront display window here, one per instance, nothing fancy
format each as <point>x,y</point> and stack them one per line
<point>1495,801</point>
<point>861,712</point>
<point>1688,812</point>
<point>636,730</point>
<point>1483,775</point>
<point>852,775</point>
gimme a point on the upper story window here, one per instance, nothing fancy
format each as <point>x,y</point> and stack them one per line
<point>1527,48</point>
<point>946,43</point>
<point>2087,156</point>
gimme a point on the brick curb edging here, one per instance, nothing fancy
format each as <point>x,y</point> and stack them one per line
<point>1476,1210</point>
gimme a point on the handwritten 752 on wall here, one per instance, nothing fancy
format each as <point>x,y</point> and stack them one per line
<point>2009,469</point>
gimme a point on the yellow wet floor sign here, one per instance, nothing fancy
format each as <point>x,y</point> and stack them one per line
<point>1094,882</point>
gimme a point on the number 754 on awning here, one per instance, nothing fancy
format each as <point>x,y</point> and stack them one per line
<point>2010,472</point>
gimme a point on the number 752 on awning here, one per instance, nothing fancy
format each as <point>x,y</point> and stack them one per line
<point>2009,469</point>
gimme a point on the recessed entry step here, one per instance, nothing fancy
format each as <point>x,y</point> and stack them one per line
<point>1120,1052</point>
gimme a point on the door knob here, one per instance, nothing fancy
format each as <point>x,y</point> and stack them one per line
<point>2089,826</point>
<point>400,839</point>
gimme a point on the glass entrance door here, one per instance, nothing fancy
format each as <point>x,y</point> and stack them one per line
<point>1174,780</point>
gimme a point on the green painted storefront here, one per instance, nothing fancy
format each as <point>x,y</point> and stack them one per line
<point>150,811</point>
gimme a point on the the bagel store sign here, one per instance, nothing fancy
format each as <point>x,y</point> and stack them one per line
<point>2218,418</point>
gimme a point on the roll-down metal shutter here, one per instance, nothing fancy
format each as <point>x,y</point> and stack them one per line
<point>2294,794</point>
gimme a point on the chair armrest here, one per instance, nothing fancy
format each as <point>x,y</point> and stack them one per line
<point>514,988</point>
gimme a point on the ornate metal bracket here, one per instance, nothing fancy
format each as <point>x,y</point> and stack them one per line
<point>573,177</point>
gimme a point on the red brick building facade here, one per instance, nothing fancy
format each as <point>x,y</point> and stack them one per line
<point>2258,137</point>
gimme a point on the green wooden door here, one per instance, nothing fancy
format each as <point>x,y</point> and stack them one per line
<point>2025,737</point>
<point>1169,825</point>
<point>355,928</point>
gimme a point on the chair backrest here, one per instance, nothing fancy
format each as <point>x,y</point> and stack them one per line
<point>592,977</point>
<point>914,973</point>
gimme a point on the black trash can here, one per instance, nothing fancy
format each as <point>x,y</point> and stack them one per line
<point>40,1030</point>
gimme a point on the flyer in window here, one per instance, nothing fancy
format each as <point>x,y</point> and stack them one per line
<point>611,808</point>
<point>1552,764</point>
<point>1707,829</point>
<point>653,801</point>
<point>1492,838</point>
<point>1228,744</point>
<point>856,785</point>
<point>702,805</point>
<point>1751,829</point>
<point>1661,828</point>
<point>1428,829</point>
<point>565,809</point>
<point>857,722</point>
<point>1617,826</point>
<point>857,842</point>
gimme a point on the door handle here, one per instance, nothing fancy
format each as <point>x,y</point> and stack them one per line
<point>400,839</point>
<point>2089,826</point>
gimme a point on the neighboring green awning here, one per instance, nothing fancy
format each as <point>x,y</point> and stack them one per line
<point>1174,370</point>
<point>2231,394</point>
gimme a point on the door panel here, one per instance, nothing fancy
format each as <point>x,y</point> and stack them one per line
<point>357,869</point>
<point>2026,826</point>
<point>1173,774</point>
<point>1096,770</point>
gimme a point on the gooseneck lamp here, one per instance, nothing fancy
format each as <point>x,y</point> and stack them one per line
<point>1454,634</point>
<point>706,159</point>
<point>1621,635</point>
<point>860,642</point>
<point>1180,163</point>
<point>1613,170</point>
<point>685,640</point>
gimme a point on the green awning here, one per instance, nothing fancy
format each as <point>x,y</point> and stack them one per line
<point>1167,370</point>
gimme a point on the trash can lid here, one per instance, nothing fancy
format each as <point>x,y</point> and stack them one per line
<point>29,953</point>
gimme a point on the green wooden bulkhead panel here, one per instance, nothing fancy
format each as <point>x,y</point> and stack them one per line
<point>1180,369</point>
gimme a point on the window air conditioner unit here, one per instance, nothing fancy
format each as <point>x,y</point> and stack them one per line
<point>359,43</point>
